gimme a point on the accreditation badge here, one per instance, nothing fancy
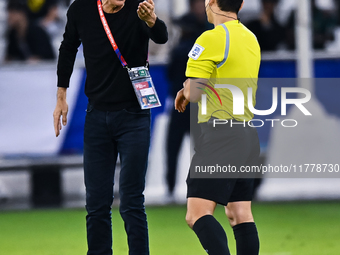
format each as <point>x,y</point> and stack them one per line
<point>144,88</point>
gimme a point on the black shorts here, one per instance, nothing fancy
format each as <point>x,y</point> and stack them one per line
<point>235,146</point>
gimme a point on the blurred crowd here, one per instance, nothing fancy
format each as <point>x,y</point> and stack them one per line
<point>32,25</point>
<point>272,35</point>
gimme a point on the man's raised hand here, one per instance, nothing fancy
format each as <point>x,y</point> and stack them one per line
<point>146,12</point>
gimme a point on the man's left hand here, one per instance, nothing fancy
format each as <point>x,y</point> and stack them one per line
<point>146,12</point>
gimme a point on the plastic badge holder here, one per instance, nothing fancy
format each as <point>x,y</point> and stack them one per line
<point>144,87</point>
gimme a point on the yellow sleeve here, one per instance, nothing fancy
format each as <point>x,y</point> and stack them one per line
<point>205,55</point>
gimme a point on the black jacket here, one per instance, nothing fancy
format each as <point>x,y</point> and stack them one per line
<point>108,86</point>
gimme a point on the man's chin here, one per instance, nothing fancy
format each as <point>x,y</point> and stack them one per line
<point>118,3</point>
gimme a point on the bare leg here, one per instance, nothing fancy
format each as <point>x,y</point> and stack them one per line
<point>239,212</point>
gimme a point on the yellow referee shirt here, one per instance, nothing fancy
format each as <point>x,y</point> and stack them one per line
<point>228,54</point>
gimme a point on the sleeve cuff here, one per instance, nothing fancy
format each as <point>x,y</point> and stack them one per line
<point>158,25</point>
<point>63,81</point>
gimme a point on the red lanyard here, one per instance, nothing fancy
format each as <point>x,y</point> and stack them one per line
<point>109,34</point>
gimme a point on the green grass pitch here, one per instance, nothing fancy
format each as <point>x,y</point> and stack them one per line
<point>284,229</point>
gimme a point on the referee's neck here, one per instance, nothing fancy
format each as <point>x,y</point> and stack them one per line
<point>223,17</point>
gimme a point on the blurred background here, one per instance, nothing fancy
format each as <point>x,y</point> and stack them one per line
<point>39,170</point>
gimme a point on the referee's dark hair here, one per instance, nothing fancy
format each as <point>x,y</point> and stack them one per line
<point>230,5</point>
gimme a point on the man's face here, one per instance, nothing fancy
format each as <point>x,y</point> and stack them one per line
<point>145,101</point>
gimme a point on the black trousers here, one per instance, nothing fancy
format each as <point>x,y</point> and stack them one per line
<point>107,135</point>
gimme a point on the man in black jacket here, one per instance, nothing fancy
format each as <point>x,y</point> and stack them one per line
<point>114,124</point>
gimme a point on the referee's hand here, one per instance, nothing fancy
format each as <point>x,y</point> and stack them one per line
<point>181,102</point>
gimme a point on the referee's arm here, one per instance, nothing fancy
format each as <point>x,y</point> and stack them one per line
<point>192,90</point>
<point>201,64</point>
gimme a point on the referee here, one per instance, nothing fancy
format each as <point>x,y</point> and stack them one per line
<point>229,52</point>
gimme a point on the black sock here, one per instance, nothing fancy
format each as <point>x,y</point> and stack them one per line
<point>211,235</point>
<point>247,239</point>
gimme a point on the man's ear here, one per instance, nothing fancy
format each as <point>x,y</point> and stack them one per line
<point>241,5</point>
